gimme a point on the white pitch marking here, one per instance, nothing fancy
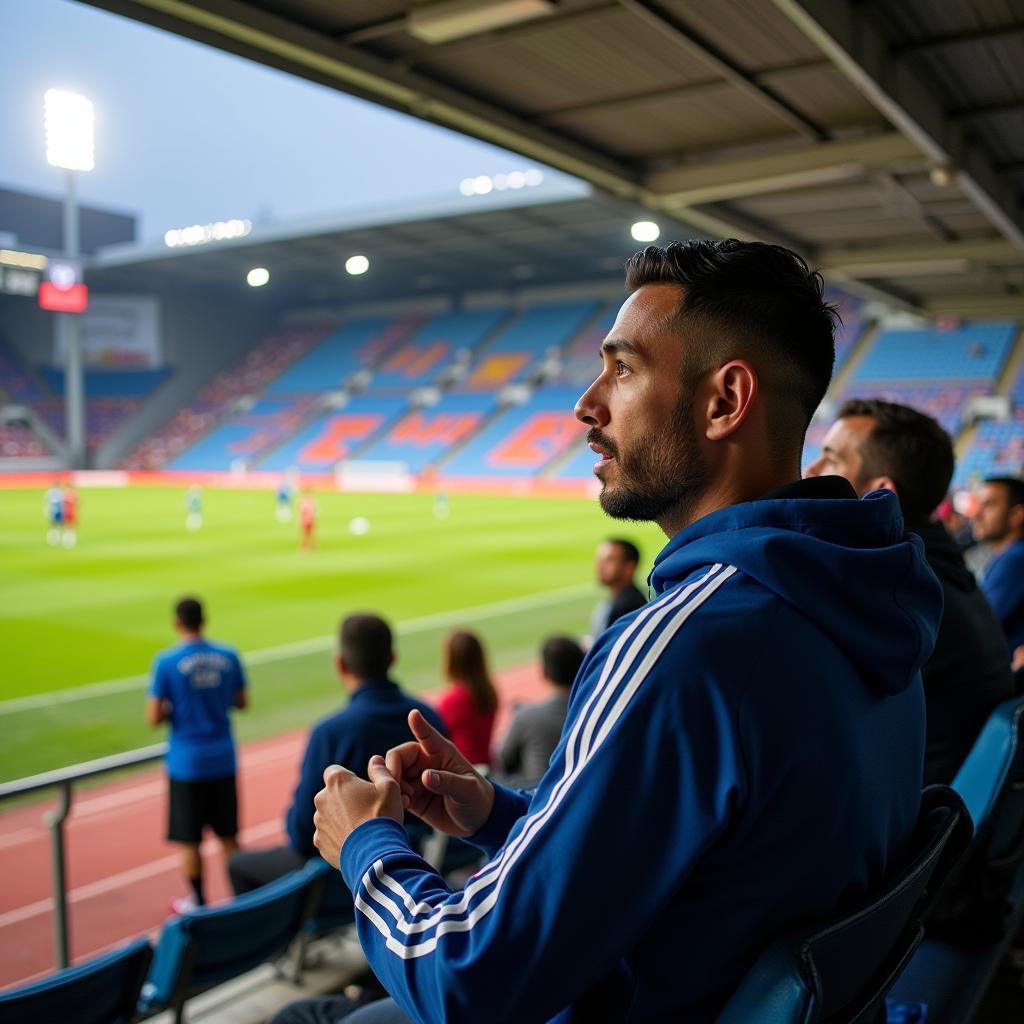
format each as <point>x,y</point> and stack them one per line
<point>317,643</point>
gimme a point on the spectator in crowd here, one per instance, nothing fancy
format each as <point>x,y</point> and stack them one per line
<point>876,444</point>
<point>373,720</point>
<point>536,728</point>
<point>195,685</point>
<point>719,778</point>
<point>615,566</point>
<point>468,706</point>
<point>999,521</point>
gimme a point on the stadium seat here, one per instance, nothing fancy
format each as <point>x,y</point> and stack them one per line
<point>841,969</point>
<point>976,917</point>
<point>102,991</point>
<point>207,946</point>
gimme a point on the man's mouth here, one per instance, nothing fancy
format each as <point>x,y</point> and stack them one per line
<point>606,458</point>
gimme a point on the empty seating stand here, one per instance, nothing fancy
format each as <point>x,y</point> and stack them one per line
<point>522,440</point>
<point>211,945</point>
<point>433,348</point>
<point>102,991</point>
<point>522,344</point>
<point>949,976</point>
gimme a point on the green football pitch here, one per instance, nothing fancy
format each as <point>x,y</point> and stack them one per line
<point>79,627</point>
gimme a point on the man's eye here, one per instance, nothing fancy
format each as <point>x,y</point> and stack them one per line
<point>620,368</point>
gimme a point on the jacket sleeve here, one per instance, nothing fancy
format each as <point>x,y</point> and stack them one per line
<point>299,820</point>
<point>631,800</point>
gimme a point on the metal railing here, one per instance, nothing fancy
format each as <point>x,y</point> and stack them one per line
<point>63,780</point>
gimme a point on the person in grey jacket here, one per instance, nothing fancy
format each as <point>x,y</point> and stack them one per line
<point>536,728</point>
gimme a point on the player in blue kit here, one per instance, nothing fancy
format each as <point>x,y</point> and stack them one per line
<point>195,685</point>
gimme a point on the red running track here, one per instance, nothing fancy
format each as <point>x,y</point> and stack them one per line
<point>121,872</point>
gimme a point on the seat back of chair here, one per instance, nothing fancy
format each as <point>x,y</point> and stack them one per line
<point>211,945</point>
<point>102,991</point>
<point>333,905</point>
<point>842,969</point>
<point>991,782</point>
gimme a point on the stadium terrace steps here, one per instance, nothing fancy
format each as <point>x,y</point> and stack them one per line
<point>522,439</point>
<point>516,350</point>
<point>354,346</point>
<point>433,349</point>
<point>423,437</point>
<point>972,352</point>
<point>249,375</point>
<point>330,437</point>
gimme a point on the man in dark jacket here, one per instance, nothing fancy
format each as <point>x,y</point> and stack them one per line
<point>881,445</point>
<point>374,717</point>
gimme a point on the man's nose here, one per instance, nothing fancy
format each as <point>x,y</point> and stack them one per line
<point>814,469</point>
<point>590,409</point>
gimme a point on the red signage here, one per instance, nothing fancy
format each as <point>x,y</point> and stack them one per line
<point>68,300</point>
<point>61,289</point>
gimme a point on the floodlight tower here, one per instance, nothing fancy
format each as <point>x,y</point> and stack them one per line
<point>69,121</point>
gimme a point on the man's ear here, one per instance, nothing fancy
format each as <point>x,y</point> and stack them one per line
<point>340,666</point>
<point>1016,517</point>
<point>881,483</point>
<point>733,390</point>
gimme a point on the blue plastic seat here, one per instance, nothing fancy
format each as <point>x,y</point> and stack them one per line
<point>102,991</point>
<point>211,945</point>
<point>977,917</point>
<point>840,970</point>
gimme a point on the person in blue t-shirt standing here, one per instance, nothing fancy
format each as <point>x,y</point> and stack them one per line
<point>195,685</point>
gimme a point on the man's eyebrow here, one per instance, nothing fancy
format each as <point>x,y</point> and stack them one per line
<point>612,346</point>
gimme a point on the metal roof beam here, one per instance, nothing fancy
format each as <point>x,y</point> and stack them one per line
<point>938,44</point>
<point>689,184</point>
<point>673,29</point>
<point>678,92</point>
<point>862,54</point>
<point>976,305</point>
<point>867,261</point>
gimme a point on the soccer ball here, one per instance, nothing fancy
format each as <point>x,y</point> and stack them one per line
<point>359,526</point>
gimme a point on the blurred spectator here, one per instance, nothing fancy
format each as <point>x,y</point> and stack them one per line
<point>1000,522</point>
<point>374,720</point>
<point>470,703</point>
<point>877,444</point>
<point>615,566</point>
<point>195,686</point>
<point>537,728</point>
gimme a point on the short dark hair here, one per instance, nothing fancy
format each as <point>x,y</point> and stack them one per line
<point>629,550</point>
<point>1014,488</point>
<point>366,645</point>
<point>754,301</point>
<point>189,612</point>
<point>561,658</point>
<point>910,447</point>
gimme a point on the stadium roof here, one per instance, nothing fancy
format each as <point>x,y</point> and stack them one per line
<point>884,138</point>
<point>556,233</point>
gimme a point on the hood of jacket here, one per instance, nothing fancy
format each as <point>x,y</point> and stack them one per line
<point>845,563</point>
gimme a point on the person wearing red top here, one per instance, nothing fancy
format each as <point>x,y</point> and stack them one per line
<point>470,703</point>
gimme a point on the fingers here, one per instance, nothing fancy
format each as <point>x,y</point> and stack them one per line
<point>459,787</point>
<point>426,735</point>
<point>332,770</point>
<point>377,772</point>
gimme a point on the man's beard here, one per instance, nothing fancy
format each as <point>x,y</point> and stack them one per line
<point>663,471</point>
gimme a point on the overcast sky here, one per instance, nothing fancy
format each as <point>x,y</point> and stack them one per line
<point>186,134</point>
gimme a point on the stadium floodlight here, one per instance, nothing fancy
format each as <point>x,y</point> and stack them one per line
<point>645,231</point>
<point>69,124</point>
<point>257,277</point>
<point>356,265</point>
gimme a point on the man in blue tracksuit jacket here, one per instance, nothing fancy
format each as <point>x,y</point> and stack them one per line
<point>740,755</point>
